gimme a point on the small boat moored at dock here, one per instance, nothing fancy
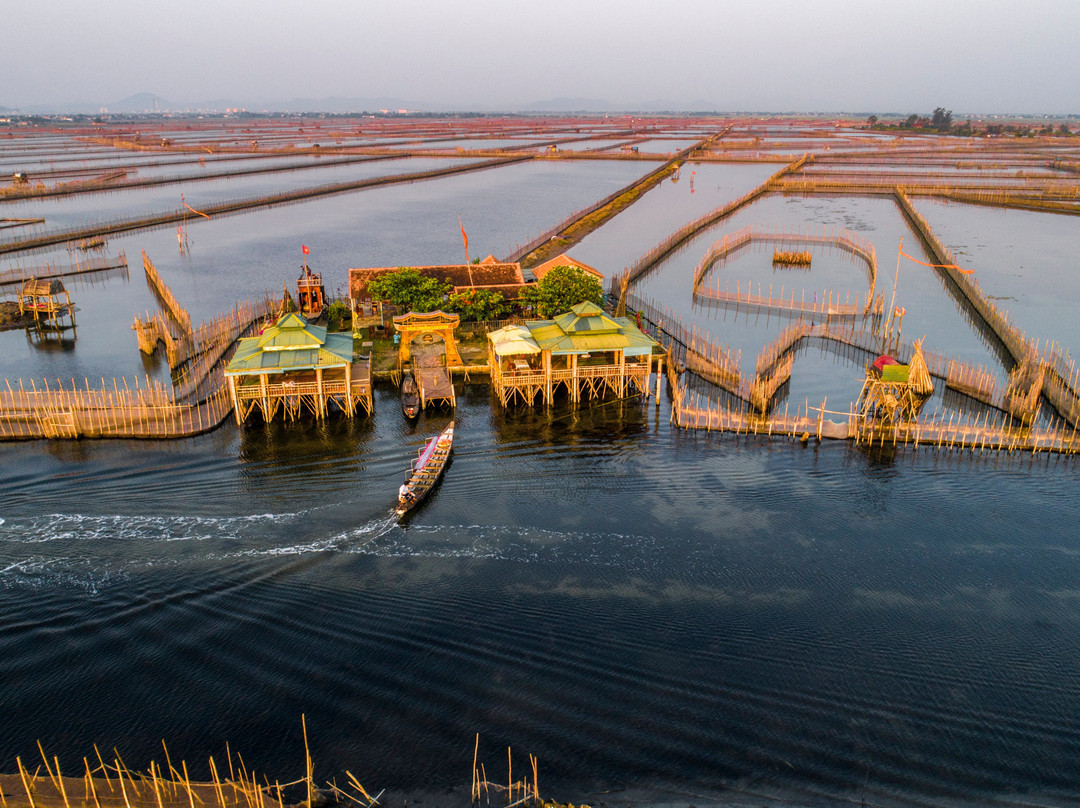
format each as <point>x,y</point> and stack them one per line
<point>410,395</point>
<point>426,471</point>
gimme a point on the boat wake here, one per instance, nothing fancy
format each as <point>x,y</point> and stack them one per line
<point>84,551</point>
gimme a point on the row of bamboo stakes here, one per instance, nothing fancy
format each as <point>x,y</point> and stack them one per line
<point>684,233</point>
<point>830,304</point>
<point>1059,385</point>
<point>1062,379</point>
<point>109,411</point>
<point>690,409</point>
<point>113,785</point>
<point>51,270</point>
<point>173,308</point>
<point>516,792</point>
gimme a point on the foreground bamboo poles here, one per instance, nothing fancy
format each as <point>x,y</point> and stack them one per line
<point>107,782</point>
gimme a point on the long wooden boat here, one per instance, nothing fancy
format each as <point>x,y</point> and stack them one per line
<point>426,471</point>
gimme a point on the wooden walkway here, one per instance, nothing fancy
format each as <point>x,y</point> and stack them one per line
<point>432,377</point>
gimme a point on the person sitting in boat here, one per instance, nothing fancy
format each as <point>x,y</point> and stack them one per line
<point>405,493</point>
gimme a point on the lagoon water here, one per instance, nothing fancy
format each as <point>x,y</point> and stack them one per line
<point>647,610</point>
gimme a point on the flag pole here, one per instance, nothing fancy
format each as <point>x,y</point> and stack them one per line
<point>464,238</point>
<point>892,306</point>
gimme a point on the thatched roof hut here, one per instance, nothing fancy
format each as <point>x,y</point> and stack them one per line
<point>43,287</point>
<point>919,373</point>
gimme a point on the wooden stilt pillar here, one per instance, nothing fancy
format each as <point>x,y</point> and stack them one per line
<point>320,404</point>
<point>235,402</point>
<point>349,409</point>
<point>267,414</point>
<point>548,391</point>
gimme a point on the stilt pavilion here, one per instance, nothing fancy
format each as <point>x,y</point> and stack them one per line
<point>47,300</point>
<point>293,367</point>
<point>585,352</point>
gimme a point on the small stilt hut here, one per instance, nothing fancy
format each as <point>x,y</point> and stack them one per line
<point>47,300</point>
<point>293,367</point>
<point>894,393</point>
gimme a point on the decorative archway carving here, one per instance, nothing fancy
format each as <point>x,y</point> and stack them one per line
<point>415,324</point>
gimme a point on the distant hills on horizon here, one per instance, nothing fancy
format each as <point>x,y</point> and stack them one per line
<point>142,103</point>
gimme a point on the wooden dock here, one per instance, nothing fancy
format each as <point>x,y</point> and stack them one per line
<point>432,377</point>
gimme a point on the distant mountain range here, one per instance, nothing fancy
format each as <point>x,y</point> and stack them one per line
<point>149,102</point>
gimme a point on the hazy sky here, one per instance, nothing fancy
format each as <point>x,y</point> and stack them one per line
<point>830,55</point>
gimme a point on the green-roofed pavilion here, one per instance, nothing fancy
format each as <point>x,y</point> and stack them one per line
<point>297,366</point>
<point>584,350</point>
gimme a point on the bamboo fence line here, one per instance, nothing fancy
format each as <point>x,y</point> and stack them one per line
<point>733,242</point>
<point>687,231</point>
<point>27,411</point>
<point>692,410</point>
<point>177,312</point>
<point>1025,192</point>
<point>1000,199</point>
<point>157,328</point>
<point>773,369</point>
<point>830,303</point>
<point>1060,384</point>
<point>213,340</point>
<point>51,270</point>
<point>181,214</point>
<point>685,339</point>
<point>642,184</point>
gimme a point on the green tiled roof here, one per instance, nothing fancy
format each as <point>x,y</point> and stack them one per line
<point>592,331</point>
<point>290,344</point>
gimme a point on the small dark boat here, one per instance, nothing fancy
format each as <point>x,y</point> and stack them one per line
<point>426,471</point>
<point>410,395</point>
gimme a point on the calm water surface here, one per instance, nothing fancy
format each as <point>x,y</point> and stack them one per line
<point>638,607</point>
<point>643,609</point>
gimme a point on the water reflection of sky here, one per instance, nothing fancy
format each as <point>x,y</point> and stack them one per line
<point>243,256</point>
<point>1024,261</point>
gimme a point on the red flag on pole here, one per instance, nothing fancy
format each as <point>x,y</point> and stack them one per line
<point>465,240</point>
<point>304,249</point>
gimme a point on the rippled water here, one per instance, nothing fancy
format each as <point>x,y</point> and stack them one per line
<point>639,607</point>
<point>644,609</point>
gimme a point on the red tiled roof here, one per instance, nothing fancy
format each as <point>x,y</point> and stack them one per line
<point>565,260</point>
